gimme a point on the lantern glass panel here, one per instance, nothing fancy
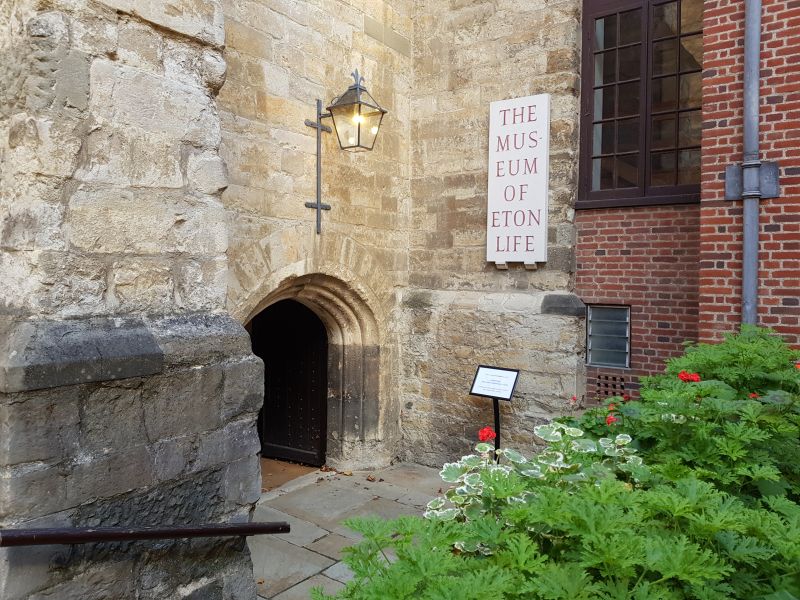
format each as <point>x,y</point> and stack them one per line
<point>346,120</point>
<point>370,125</point>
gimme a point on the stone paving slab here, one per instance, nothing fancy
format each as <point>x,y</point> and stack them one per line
<point>302,533</point>
<point>340,572</point>
<point>321,504</point>
<point>381,507</point>
<point>331,545</point>
<point>412,477</point>
<point>315,505</point>
<point>302,591</point>
<point>278,565</point>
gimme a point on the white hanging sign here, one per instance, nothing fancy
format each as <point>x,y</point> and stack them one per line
<point>519,160</point>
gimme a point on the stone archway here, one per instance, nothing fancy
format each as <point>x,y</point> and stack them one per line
<point>354,360</point>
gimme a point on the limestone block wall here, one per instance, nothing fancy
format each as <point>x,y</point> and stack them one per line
<point>109,137</point>
<point>128,422</point>
<point>126,396</point>
<point>282,56</point>
<point>461,310</point>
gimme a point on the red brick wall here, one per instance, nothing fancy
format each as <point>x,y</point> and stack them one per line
<point>721,222</point>
<point>645,257</point>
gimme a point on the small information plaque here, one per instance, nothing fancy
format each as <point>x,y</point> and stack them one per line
<point>494,382</point>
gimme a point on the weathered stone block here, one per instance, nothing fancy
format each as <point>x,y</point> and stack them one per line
<point>172,457</point>
<point>242,482</point>
<point>139,45</point>
<point>78,293</point>
<point>201,19</point>
<point>128,96</point>
<point>563,304</point>
<point>200,338</point>
<point>206,173</point>
<point>45,354</point>
<point>169,401</point>
<point>141,284</point>
<point>30,491</point>
<point>39,145</point>
<point>201,285</point>
<point>128,155</point>
<point>235,441</point>
<point>99,220</point>
<point>111,419</point>
<point>41,426</point>
<point>243,389</point>
<point>105,476</point>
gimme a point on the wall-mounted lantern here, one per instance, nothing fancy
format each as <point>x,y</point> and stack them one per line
<point>357,118</point>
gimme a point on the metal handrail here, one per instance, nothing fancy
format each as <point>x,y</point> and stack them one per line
<point>90,535</point>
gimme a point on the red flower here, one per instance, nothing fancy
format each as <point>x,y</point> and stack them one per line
<point>797,365</point>
<point>612,406</point>
<point>686,376</point>
<point>574,399</point>
<point>625,397</point>
<point>753,395</point>
<point>611,419</point>
<point>486,434</point>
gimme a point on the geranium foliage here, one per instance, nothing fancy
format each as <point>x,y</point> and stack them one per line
<point>690,493</point>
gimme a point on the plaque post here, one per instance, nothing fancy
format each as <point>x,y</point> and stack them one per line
<point>496,402</point>
<point>498,384</point>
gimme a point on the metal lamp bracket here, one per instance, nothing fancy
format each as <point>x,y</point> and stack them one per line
<point>318,205</point>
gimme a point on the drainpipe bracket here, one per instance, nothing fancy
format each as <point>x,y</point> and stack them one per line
<point>768,179</point>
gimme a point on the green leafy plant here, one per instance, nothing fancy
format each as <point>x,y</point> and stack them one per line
<point>727,413</point>
<point>690,493</point>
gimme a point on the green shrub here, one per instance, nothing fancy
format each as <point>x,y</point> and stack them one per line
<point>690,493</point>
<point>737,427</point>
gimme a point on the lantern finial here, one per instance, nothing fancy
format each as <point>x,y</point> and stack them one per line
<point>359,79</point>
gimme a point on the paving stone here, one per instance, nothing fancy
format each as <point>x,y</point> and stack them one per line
<point>302,533</point>
<point>278,565</point>
<point>339,572</point>
<point>384,508</point>
<point>331,545</point>
<point>416,499</point>
<point>412,477</point>
<point>321,504</point>
<point>302,591</point>
<point>377,507</point>
<point>358,481</point>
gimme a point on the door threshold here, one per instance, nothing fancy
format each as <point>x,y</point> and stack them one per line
<point>274,473</point>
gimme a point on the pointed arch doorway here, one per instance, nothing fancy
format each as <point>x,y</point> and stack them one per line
<point>293,343</point>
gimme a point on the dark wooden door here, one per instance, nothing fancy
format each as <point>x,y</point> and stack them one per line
<point>293,343</point>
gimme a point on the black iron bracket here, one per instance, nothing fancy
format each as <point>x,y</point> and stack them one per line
<point>318,205</point>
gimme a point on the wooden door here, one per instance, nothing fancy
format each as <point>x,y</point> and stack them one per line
<point>293,343</point>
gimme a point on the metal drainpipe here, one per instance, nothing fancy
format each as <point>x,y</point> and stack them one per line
<point>751,184</point>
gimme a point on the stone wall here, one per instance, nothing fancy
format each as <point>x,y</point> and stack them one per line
<point>109,191</point>
<point>126,396</point>
<point>281,57</point>
<point>128,422</point>
<point>462,310</point>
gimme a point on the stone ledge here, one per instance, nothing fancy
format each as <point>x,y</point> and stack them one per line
<point>200,338</point>
<point>46,354</point>
<point>40,354</point>
<point>568,305</point>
